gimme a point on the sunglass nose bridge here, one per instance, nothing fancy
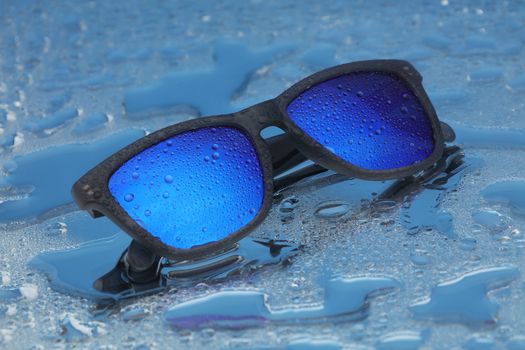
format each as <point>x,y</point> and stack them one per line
<point>262,115</point>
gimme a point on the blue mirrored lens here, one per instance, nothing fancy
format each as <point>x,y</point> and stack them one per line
<point>370,119</point>
<point>193,188</point>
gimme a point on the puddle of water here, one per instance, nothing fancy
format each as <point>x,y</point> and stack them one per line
<point>91,123</point>
<point>53,171</point>
<point>424,213</point>
<point>403,340</point>
<point>464,299</point>
<point>234,64</point>
<point>73,271</point>
<point>314,344</point>
<point>511,193</point>
<point>240,309</point>
<point>470,137</point>
<point>490,219</point>
<point>320,56</point>
<point>44,126</point>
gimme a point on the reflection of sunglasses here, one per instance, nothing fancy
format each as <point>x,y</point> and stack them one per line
<point>199,186</point>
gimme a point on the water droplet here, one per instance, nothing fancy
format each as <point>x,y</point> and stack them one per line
<point>215,155</point>
<point>467,244</point>
<point>215,146</point>
<point>134,314</point>
<point>491,219</point>
<point>147,213</point>
<point>360,93</point>
<point>404,109</point>
<point>168,179</point>
<point>129,197</point>
<point>135,175</point>
<point>206,159</point>
<point>419,257</point>
<point>405,96</point>
<point>331,209</point>
<point>165,195</point>
<point>288,204</point>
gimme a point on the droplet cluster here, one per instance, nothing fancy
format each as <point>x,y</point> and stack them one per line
<point>370,119</point>
<point>193,188</point>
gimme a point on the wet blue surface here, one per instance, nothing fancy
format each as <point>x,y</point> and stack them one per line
<point>79,80</point>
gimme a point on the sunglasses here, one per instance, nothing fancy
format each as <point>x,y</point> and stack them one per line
<point>141,272</point>
<point>199,186</point>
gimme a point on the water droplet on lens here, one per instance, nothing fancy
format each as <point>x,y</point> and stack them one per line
<point>168,179</point>
<point>129,197</point>
<point>215,155</point>
<point>147,213</point>
<point>215,147</point>
<point>360,93</point>
<point>405,96</point>
<point>135,175</point>
<point>165,195</point>
<point>404,109</point>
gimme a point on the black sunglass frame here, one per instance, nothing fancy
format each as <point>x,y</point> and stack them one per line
<point>91,191</point>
